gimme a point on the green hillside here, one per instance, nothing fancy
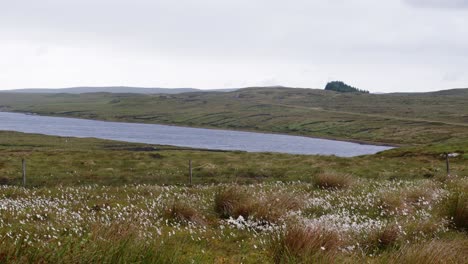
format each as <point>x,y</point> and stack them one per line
<point>410,118</point>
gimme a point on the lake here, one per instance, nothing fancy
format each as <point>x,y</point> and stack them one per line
<point>182,136</point>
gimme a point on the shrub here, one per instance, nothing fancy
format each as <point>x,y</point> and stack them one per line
<point>333,180</point>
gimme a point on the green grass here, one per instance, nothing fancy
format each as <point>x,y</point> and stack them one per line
<point>131,224</point>
<point>84,203</point>
<point>53,161</point>
<point>399,119</point>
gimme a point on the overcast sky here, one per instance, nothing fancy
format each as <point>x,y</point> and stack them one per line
<point>381,46</point>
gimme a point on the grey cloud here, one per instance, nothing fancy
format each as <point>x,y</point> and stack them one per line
<point>438,3</point>
<point>233,43</point>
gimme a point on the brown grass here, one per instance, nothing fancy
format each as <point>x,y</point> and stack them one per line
<point>392,202</point>
<point>429,227</point>
<point>113,232</point>
<point>233,202</point>
<point>305,244</point>
<point>457,207</point>
<point>275,207</point>
<point>332,180</point>
<point>381,239</point>
<point>183,213</point>
<point>416,195</point>
<point>434,252</point>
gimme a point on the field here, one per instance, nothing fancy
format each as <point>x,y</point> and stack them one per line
<point>374,222</point>
<point>99,201</point>
<point>397,119</point>
<point>53,161</point>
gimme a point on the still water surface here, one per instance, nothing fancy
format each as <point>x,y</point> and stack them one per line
<point>182,136</point>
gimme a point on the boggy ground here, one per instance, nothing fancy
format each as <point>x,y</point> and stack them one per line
<point>99,201</point>
<point>53,161</point>
<point>336,218</point>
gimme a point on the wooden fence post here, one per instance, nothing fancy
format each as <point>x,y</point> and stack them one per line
<point>190,171</point>
<point>23,161</point>
<point>447,163</point>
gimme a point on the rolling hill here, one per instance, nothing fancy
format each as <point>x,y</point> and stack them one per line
<point>396,119</point>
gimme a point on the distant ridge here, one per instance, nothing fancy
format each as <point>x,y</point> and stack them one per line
<point>112,89</point>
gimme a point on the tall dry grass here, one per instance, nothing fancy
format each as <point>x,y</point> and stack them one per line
<point>306,245</point>
<point>184,213</point>
<point>457,209</point>
<point>433,252</point>
<point>381,239</point>
<point>333,180</point>
<point>235,201</point>
<point>117,243</point>
<point>393,202</point>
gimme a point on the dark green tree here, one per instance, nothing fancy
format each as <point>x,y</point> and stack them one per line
<point>342,87</point>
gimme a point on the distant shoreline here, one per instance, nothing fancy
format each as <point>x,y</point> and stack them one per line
<point>360,142</point>
<point>215,129</point>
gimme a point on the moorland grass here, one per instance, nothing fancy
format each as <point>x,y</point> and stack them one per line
<point>53,161</point>
<point>98,201</point>
<point>333,180</point>
<point>161,224</point>
<point>401,119</point>
<point>457,207</point>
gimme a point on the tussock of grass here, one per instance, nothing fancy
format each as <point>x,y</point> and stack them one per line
<point>434,252</point>
<point>457,209</point>
<point>184,213</point>
<point>423,193</point>
<point>276,206</point>
<point>333,180</point>
<point>429,228</point>
<point>233,202</point>
<point>381,239</point>
<point>393,202</point>
<point>304,244</point>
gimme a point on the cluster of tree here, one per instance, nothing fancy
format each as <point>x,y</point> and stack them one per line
<point>342,87</point>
